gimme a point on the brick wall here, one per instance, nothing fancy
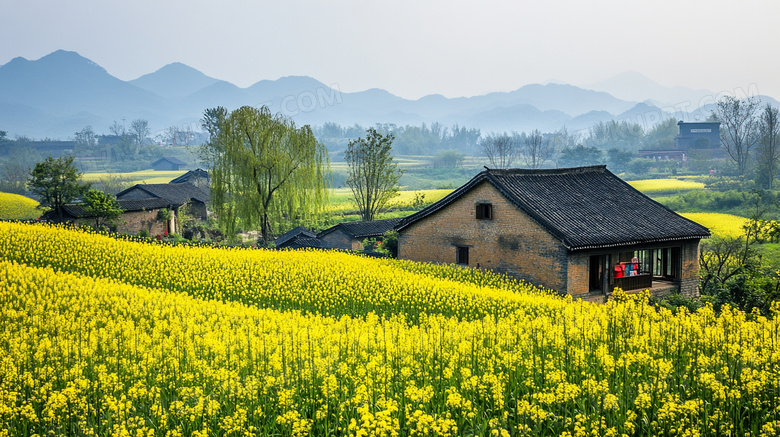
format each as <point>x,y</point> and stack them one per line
<point>579,273</point>
<point>338,239</point>
<point>135,221</point>
<point>510,243</point>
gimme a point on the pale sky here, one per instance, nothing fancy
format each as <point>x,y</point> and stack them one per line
<point>413,48</point>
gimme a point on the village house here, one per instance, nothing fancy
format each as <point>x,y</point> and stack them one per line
<point>169,163</point>
<point>198,177</point>
<point>136,215</point>
<point>350,235</point>
<point>177,198</point>
<point>581,231</point>
<point>299,238</point>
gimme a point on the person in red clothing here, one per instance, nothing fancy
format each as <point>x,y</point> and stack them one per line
<point>618,270</point>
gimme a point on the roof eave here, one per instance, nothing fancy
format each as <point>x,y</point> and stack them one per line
<point>574,248</point>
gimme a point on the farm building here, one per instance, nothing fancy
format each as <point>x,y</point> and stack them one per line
<point>169,163</point>
<point>175,196</point>
<point>197,177</point>
<point>298,238</point>
<point>138,215</point>
<point>581,231</point>
<point>698,135</point>
<point>350,235</point>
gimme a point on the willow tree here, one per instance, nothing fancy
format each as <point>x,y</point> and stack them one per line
<point>265,172</point>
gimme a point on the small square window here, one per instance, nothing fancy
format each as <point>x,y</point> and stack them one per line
<point>484,211</point>
<point>462,255</point>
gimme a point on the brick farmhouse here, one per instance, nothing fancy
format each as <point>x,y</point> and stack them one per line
<point>350,235</point>
<point>581,231</point>
<point>142,203</point>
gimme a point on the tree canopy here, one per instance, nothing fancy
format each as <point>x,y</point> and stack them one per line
<point>738,128</point>
<point>57,182</point>
<point>373,176</point>
<point>265,172</point>
<point>102,207</point>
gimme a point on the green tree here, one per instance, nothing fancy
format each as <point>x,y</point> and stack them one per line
<point>661,136</point>
<point>265,171</point>
<point>57,182</point>
<point>372,176</point>
<point>768,146</point>
<point>579,156</point>
<point>738,128</point>
<point>103,207</point>
<point>619,160</point>
<point>447,159</point>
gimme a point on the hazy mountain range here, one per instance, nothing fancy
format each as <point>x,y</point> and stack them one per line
<point>58,94</point>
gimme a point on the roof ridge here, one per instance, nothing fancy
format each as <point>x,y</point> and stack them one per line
<point>547,171</point>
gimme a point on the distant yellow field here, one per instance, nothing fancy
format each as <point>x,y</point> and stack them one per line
<point>341,198</point>
<point>649,186</point>
<point>137,177</point>
<point>722,225</point>
<point>16,207</point>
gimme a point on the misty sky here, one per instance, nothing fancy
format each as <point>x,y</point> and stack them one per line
<point>413,48</point>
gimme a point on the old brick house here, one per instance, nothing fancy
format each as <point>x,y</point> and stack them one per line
<point>581,231</point>
<point>137,215</point>
<point>350,235</point>
<point>178,198</point>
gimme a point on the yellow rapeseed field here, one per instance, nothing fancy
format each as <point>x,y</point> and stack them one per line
<point>109,337</point>
<point>650,186</point>
<point>341,200</point>
<point>723,225</point>
<point>18,207</point>
<point>137,177</point>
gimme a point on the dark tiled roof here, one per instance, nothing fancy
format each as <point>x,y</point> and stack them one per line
<point>301,242</point>
<point>190,175</point>
<point>375,228</point>
<point>142,204</point>
<point>297,232</point>
<point>584,207</point>
<point>177,194</point>
<point>77,211</point>
<point>171,159</point>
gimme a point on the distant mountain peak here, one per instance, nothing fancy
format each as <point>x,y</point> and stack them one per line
<point>66,57</point>
<point>632,85</point>
<point>174,80</point>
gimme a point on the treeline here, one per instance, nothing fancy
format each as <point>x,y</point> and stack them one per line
<point>409,140</point>
<point>429,139</point>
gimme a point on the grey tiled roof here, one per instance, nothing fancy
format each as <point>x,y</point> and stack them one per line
<point>177,194</point>
<point>294,233</point>
<point>584,207</point>
<point>141,204</point>
<point>190,175</point>
<point>77,211</point>
<point>371,229</point>
<point>301,242</point>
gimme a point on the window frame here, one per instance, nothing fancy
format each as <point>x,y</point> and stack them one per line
<point>484,211</point>
<point>460,251</point>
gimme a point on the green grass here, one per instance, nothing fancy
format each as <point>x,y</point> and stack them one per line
<point>770,252</point>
